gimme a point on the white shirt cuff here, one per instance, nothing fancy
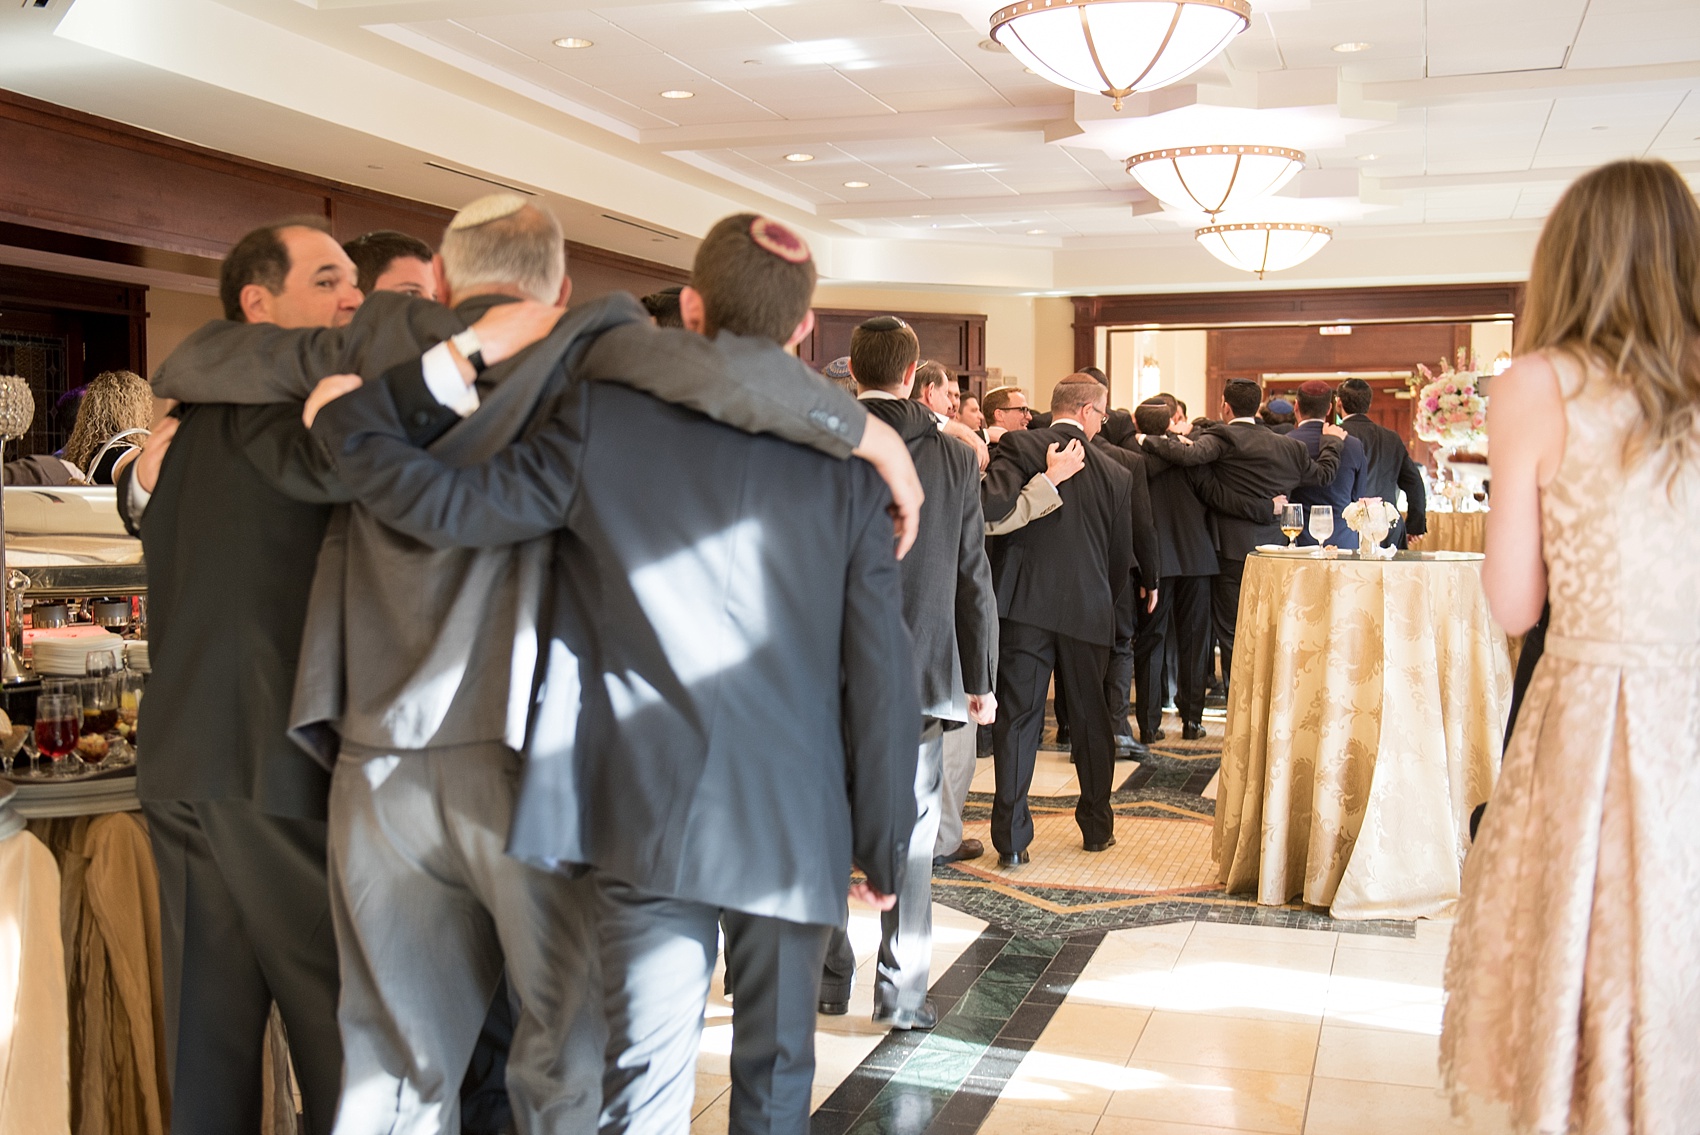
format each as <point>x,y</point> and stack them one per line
<point>139,498</point>
<point>443,380</point>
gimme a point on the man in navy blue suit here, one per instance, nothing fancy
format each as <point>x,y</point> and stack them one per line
<point>1315,401</point>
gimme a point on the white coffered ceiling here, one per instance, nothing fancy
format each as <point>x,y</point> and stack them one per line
<point>1456,118</point>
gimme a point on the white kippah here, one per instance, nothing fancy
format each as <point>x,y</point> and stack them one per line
<point>487,209</point>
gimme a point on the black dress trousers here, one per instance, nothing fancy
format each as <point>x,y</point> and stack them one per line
<point>1180,625</point>
<point>1118,676</point>
<point>1027,656</point>
<point>1225,611</point>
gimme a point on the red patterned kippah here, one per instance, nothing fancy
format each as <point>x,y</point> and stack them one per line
<point>779,239</point>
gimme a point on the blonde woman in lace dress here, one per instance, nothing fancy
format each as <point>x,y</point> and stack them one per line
<point>1574,973</point>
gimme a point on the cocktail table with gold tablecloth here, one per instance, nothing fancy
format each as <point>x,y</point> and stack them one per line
<point>1364,723</point>
<point>1456,532</point>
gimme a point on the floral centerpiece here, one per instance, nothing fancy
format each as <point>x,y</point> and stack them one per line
<point>1450,411</point>
<point>1372,519</point>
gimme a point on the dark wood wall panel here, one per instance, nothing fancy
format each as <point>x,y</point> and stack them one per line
<point>957,341</point>
<point>123,195</point>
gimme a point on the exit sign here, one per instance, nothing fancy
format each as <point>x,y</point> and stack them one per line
<point>1342,329</point>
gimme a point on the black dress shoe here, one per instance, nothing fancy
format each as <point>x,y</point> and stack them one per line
<point>1128,749</point>
<point>1014,858</point>
<point>1191,732</point>
<point>833,1008</point>
<point>902,1020</point>
<point>1064,738</point>
<point>1105,846</point>
<point>967,849</point>
<point>1157,734</point>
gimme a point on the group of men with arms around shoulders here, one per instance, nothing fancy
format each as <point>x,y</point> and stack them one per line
<point>510,662</point>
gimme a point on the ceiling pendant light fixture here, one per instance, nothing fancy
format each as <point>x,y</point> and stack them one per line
<point>1117,47</point>
<point>1263,246</point>
<point>1211,179</point>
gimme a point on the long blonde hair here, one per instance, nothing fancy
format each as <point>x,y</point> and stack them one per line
<point>114,401</point>
<point>1616,284</point>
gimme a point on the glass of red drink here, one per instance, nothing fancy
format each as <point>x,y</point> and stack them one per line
<point>58,724</point>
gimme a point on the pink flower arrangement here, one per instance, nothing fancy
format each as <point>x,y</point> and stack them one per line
<point>1449,411</point>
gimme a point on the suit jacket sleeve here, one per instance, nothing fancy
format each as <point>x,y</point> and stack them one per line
<point>1038,498</point>
<point>1121,533</point>
<point>881,705</point>
<point>1230,502</point>
<point>1007,475</point>
<point>1326,467</point>
<point>976,603</point>
<point>225,361</point>
<point>1143,524</point>
<point>1416,497</point>
<point>523,492</point>
<point>1201,450</point>
<point>745,383</point>
<point>287,456</point>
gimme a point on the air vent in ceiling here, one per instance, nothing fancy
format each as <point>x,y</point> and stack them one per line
<point>37,4</point>
<point>635,225</point>
<point>481,177</point>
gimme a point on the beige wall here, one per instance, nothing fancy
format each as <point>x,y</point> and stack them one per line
<point>171,317</point>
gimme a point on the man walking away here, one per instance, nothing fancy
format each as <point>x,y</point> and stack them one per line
<point>949,609</point>
<point>1391,468</point>
<point>1057,580</point>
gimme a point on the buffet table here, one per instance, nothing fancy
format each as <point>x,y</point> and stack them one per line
<point>1364,724</point>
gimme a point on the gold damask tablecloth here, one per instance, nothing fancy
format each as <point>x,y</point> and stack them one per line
<point>1456,532</point>
<point>1365,723</point>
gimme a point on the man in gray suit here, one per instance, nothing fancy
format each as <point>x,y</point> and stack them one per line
<point>949,608</point>
<point>236,813</point>
<point>727,613</point>
<point>416,672</point>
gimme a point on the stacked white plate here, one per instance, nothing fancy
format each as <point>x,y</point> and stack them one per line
<point>68,657</point>
<point>136,656</point>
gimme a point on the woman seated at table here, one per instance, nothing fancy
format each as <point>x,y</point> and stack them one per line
<point>112,419</point>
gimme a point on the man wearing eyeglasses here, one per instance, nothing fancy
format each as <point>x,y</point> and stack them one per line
<point>1057,580</point>
<point>1006,409</point>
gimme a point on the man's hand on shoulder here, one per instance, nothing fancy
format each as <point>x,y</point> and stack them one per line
<point>509,328</point>
<point>968,437</point>
<point>1333,431</point>
<point>328,390</point>
<point>1064,461</point>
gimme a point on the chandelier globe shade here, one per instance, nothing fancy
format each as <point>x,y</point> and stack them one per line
<point>1263,246</point>
<point>1117,47</point>
<point>1211,179</point>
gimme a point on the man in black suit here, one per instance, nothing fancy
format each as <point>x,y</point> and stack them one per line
<point>1057,581</point>
<point>1258,465</point>
<point>236,812</point>
<point>1140,597</point>
<point>701,781</point>
<point>1391,468</point>
<point>1316,401</point>
<point>1182,613</point>
<point>950,611</point>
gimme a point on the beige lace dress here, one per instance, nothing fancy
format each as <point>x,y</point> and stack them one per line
<point>1574,972</point>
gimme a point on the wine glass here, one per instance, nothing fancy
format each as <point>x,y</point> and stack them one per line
<point>58,724</point>
<point>1321,522</point>
<point>100,705</point>
<point>1292,522</point>
<point>130,691</point>
<point>100,663</point>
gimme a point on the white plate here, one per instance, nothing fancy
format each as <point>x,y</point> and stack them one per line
<point>1313,551</point>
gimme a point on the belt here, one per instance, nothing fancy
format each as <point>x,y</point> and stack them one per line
<point>1623,655</point>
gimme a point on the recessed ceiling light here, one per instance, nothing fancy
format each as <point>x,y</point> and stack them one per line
<point>1035,232</point>
<point>919,216</point>
<point>1599,128</point>
<point>678,94</point>
<point>855,185</point>
<point>1349,48</point>
<point>799,157</point>
<point>1368,157</point>
<point>993,46</point>
<point>574,43</point>
<point>374,167</point>
<point>1030,70</point>
<point>752,63</point>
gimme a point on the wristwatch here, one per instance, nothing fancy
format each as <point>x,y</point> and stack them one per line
<point>470,348</point>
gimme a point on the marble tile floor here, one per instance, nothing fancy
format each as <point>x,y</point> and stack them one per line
<point>1228,1018</point>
